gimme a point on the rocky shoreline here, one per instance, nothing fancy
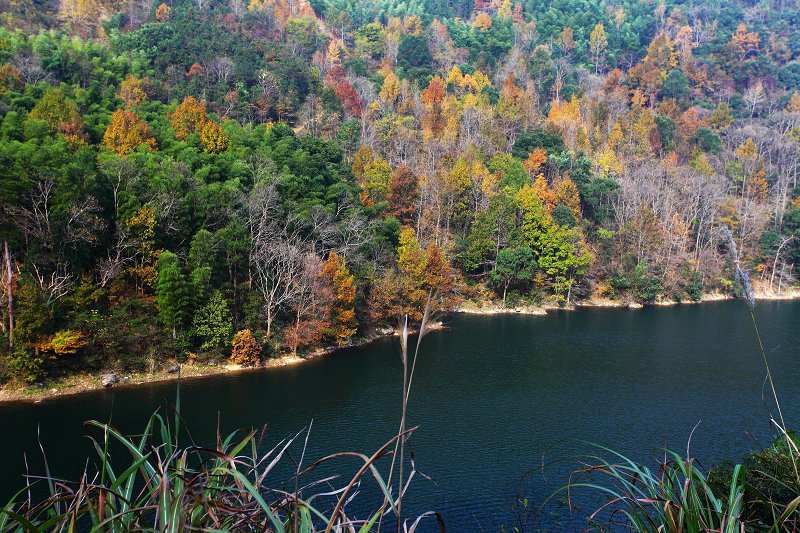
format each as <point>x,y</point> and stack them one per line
<point>80,383</point>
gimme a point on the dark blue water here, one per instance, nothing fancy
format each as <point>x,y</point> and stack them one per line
<point>495,397</point>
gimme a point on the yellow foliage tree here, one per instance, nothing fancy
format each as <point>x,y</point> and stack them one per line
<point>131,91</point>
<point>213,138</point>
<point>126,133</point>
<point>189,117</point>
<point>483,21</point>
<point>567,194</point>
<point>343,323</point>
<point>413,25</point>
<point>163,12</point>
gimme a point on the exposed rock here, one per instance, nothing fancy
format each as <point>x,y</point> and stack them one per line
<point>109,379</point>
<point>174,369</point>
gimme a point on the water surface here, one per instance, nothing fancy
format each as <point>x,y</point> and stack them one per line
<point>494,397</point>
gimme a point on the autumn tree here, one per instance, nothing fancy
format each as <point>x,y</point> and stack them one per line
<point>483,21</point>
<point>213,138</point>
<point>246,349</point>
<point>131,91</point>
<point>743,43</point>
<point>342,322</point>
<point>126,133</point>
<point>60,114</point>
<point>403,194</point>
<point>163,12</point>
<point>422,277</point>
<point>374,181</point>
<point>433,119</point>
<point>597,47</point>
<point>189,117</point>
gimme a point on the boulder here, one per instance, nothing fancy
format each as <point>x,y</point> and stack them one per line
<point>109,379</point>
<point>174,369</point>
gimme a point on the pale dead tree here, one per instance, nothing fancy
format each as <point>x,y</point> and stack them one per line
<point>221,68</point>
<point>121,174</point>
<point>267,82</point>
<point>54,286</point>
<point>277,250</point>
<point>310,298</point>
<point>30,68</point>
<point>172,188</point>
<point>778,251</point>
<point>311,115</point>
<point>238,8</point>
<point>7,294</point>
<point>754,96</point>
<point>34,221</point>
<point>115,262</point>
<point>83,224</point>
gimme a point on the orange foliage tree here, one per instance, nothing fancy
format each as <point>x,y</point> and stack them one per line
<point>343,322</point>
<point>246,349</point>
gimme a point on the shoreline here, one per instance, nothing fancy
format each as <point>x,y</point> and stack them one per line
<point>82,383</point>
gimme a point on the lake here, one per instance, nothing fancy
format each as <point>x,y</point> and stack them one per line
<point>495,397</point>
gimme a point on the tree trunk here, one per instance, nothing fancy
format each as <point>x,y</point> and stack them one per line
<point>9,294</point>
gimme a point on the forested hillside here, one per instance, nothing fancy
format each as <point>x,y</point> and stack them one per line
<point>210,179</point>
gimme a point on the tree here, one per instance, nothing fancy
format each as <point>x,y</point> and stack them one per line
<point>514,265</point>
<point>171,292</point>
<point>131,91</point>
<point>403,194</point>
<point>213,138</point>
<point>213,323</point>
<point>126,133</point>
<point>483,21</point>
<point>246,349</point>
<point>597,47</point>
<point>343,324</point>
<point>163,12</point>
<point>189,117</point>
<point>743,43</point>
<point>277,250</point>
<point>422,276</point>
<point>60,113</point>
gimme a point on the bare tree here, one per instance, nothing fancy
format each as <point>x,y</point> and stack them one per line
<point>54,286</point>
<point>277,250</point>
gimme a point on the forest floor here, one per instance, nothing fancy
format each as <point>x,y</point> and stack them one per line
<point>84,382</point>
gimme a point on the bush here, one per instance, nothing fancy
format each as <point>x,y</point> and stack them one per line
<point>695,287</point>
<point>246,349</point>
<point>26,366</point>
